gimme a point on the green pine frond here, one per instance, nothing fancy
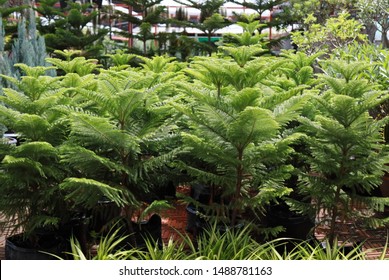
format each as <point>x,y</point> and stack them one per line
<point>32,127</point>
<point>245,98</point>
<point>211,149</point>
<point>120,58</point>
<point>345,69</point>
<point>42,221</point>
<point>353,88</point>
<point>377,204</point>
<point>22,165</point>
<point>87,192</point>
<point>88,161</point>
<point>252,125</point>
<point>158,162</point>
<point>373,222</point>
<point>243,54</point>
<point>73,82</point>
<point>300,59</point>
<point>344,109</point>
<point>15,99</point>
<point>272,99</point>
<point>36,150</point>
<point>79,65</point>
<point>98,131</point>
<point>207,177</point>
<point>157,64</point>
<point>290,109</point>
<point>35,71</point>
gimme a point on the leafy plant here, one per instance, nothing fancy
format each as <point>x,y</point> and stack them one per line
<point>213,245</point>
<point>70,64</point>
<point>120,143</point>
<point>68,28</point>
<point>30,173</point>
<point>335,33</point>
<point>237,139</point>
<point>347,158</point>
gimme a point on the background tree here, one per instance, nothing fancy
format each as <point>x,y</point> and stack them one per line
<point>6,11</point>
<point>260,7</point>
<point>210,19</point>
<point>321,9</point>
<point>335,33</point>
<point>27,47</point>
<point>70,27</point>
<point>151,13</point>
<point>207,7</point>
<point>144,35</point>
<point>374,15</point>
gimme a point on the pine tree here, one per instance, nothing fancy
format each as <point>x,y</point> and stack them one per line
<point>209,22</point>
<point>120,139</point>
<point>5,63</point>
<point>347,155</point>
<point>151,12</point>
<point>28,48</point>
<point>234,136</point>
<point>31,172</point>
<point>67,28</point>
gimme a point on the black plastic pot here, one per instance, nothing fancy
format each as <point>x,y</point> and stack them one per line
<point>17,249</point>
<point>148,230</point>
<point>201,193</point>
<point>194,223</point>
<point>296,226</point>
<point>103,214</point>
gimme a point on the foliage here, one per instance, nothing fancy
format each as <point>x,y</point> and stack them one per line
<point>152,13</point>
<point>121,142</point>
<point>347,158</point>
<point>68,28</point>
<point>296,72</point>
<point>70,64</point>
<point>213,245</point>
<point>236,136</point>
<point>250,35</point>
<point>244,47</point>
<point>321,9</point>
<point>121,59</point>
<point>6,13</point>
<point>275,7</point>
<point>28,48</point>
<point>377,72</point>
<point>337,32</point>
<point>30,173</point>
<point>207,8</point>
<point>374,16</point>
<point>210,20</point>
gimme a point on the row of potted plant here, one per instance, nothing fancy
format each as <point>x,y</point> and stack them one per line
<point>257,130</point>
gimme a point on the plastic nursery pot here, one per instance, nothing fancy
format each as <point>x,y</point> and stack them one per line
<point>17,249</point>
<point>194,223</point>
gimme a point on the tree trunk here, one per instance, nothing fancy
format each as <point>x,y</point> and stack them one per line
<point>144,48</point>
<point>209,44</point>
<point>331,235</point>
<point>371,30</point>
<point>385,41</point>
<point>238,189</point>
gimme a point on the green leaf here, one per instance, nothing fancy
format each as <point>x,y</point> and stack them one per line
<point>91,130</point>
<point>252,125</point>
<point>87,192</point>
